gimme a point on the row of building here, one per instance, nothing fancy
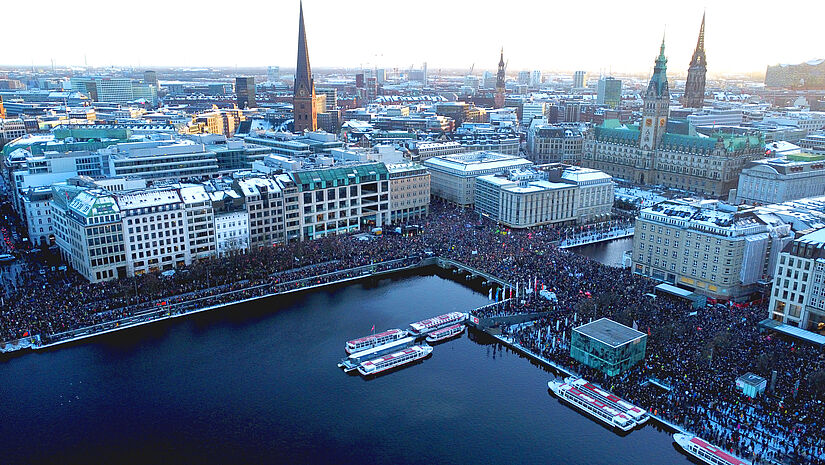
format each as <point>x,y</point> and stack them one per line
<point>105,232</point>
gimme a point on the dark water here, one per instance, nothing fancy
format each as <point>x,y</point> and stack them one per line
<point>259,384</point>
<point>610,253</point>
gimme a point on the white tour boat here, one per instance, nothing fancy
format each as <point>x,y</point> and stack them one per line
<point>397,359</point>
<point>638,414</point>
<point>598,409</point>
<point>705,451</point>
<point>356,359</point>
<point>423,327</point>
<point>373,340</point>
<point>445,333</point>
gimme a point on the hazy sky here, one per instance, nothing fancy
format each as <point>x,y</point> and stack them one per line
<point>546,34</point>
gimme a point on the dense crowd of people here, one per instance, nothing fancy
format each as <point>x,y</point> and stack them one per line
<point>697,355</point>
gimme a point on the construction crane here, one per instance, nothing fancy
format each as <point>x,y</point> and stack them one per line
<point>471,69</point>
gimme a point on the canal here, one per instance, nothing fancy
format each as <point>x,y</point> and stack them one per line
<point>259,383</point>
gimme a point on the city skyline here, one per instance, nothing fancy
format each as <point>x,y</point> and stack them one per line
<point>454,35</point>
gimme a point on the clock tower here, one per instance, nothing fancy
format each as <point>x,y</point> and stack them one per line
<point>303,101</point>
<point>656,105</point>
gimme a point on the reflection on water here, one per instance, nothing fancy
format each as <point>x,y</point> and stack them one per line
<point>610,253</point>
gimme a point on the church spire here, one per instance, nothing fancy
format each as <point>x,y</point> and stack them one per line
<point>699,54</point>
<point>695,83</point>
<point>305,115</point>
<point>303,72</point>
<point>498,99</point>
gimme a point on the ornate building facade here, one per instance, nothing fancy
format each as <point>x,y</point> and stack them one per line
<point>695,84</point>
<point>645,153</point>
<point>304,104</point>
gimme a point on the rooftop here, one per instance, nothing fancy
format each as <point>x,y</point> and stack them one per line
<point>609,332</point>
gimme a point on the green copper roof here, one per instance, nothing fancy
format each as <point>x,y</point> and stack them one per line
<point>621,135</point>
<point>331,177</point>
<point>658,82</point>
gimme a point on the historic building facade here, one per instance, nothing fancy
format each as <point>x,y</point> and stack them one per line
<point>647,154</point>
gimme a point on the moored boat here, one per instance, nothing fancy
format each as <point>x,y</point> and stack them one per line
<point>394,360</point>
<point>423,327</point>
<point>638,414</point>
<point>356,359</point>
<point>705,451</point>
<point>374,340</point>
<point>589,404</point>
<point>445,333</point>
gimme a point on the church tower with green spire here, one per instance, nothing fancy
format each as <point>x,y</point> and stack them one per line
<point>656,106</point>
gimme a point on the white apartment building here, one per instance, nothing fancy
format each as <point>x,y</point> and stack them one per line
<point>707,246</point>
<point>154,225</point>
<point>36,203</point>
<point>200,221</point>
<point>777,180</point>
<point>409,191</point>
<point>89,232</point>
<point>264,199</point>
<point>231,222</point>
<point>798,292</point>
<point>453,177</point>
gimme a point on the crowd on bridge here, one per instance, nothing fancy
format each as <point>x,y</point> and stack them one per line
<point>697,355</point>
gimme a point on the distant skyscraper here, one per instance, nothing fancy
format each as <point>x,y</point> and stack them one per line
<point>535,78</point>
<point>579,78</point>
<point>273,73</point>
<point>424,72</point>
<point>303,100</point>
<point>524,77</point>
<point>381,75</point>
<point>360,80</point>
<point>609,92</point>
<point>331,100</point>
<point>500,78</point>
<point>695,84</point>
<point>150,77</point>
<point>245,91</point>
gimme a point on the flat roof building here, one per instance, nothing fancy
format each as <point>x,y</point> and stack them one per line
<point>607,346</point>
<point>453,177</point>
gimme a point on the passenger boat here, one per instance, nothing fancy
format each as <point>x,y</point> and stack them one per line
<point>445,333</point>
<point>397,359</point>
<point>589,404</point>
<point>373,340</point>
<point>705,451</point>
<point>639,415</point>
<point>431,324</point>
<point>354,360</point>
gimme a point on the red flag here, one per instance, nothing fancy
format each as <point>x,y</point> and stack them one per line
<point>373,328</point>
<point>26,334</point>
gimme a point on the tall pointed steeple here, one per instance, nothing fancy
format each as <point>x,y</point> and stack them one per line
<point>498,101</point>
<point>656,106</point>
<point>303,100</point>
<point>303,72</point>
<point>695,83</point>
